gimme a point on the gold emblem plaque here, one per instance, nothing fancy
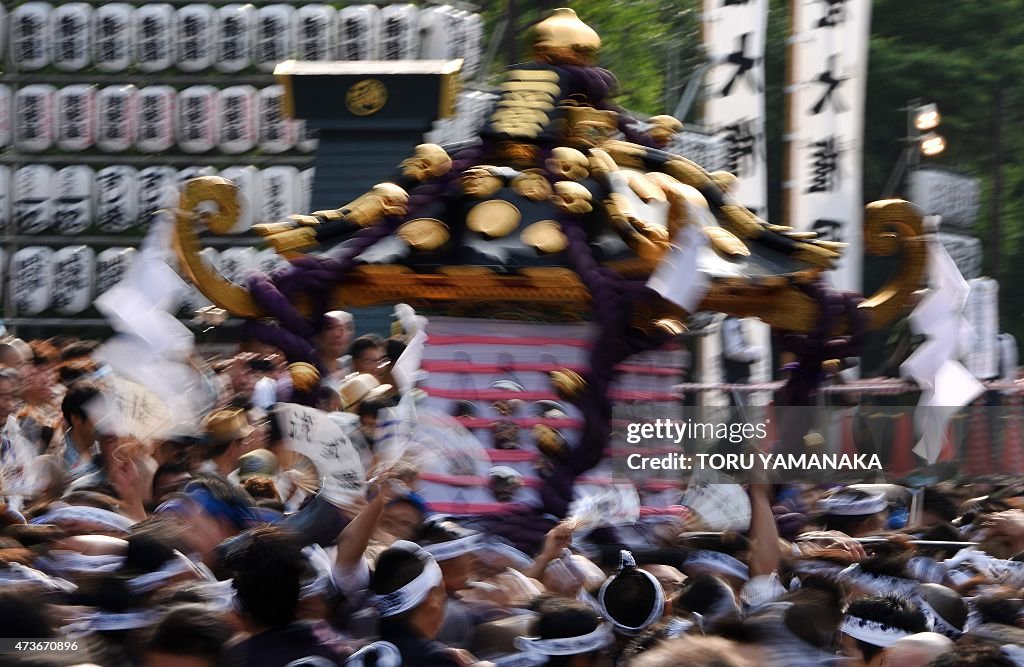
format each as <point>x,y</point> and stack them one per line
<point>366,97</point>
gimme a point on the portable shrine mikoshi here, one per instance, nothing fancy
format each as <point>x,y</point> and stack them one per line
<point>560,211</point>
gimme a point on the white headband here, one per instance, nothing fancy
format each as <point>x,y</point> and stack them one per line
<point>626,561</point>
<point>872,632</point>
<point>151,580</point>
<point>109,621</point>
<point>878,584</point>
<point>323,581</point>
<point>72,561</point>
<point>416,591</point>
<point>443,551</point>
<point>719,562</point>
<point>16,572</point>
<point>822,567</point>
<point>386,654</point>
<point>839,505</point>
<point>601,636</point>
<point>102,517</point>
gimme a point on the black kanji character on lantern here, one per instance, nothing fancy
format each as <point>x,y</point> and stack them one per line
<point>835,13</point>
<point>824,166</point>
<point>741,142</point>
<point>744,67</point>
<point>828,230</point>
<point>832,83</point>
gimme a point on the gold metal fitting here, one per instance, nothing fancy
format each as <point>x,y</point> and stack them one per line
<point>563,39</point>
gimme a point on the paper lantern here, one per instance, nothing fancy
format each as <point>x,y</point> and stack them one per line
<point>158,189</point>
<point>306,177</point>
<point>276,132</point>
<point>5,115</point>
<point>117,199</point>
<point>153,34</point>
<point>275,36</point>
<point>267,260</point>
<point>73,276</point>
<point>237,263</point>
<point>32,201</point>
<point>115,124</point>
<point>33,118</point>
<point>74,199</point>
<point>399,32</point>
<point>314,32</point>
<point>5,198</point>
<point>358,32</point>
<point>30,36</point>
<point>195,29</point>
<point>280,192</point>
<point>237,112</point>
<point>111,266</point>
<point>249,187</point>
<point>70,28</point>
<point>31,279</point>
<point>307,139</point>
<point>434,32</point>
<point>233,43</point>
<point>76,117</point>
<point>154,118</point>
<point>112,37</point>
<point>195,171</point>
<point>197,119</point>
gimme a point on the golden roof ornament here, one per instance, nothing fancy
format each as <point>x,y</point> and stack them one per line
<point>563,39</point>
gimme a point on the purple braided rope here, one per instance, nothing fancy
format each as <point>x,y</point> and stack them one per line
<point>315,276</point>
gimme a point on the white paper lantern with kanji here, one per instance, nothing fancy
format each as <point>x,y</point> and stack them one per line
<point>74,277</point>
<point>112,37</point>
<point>74,199</point>
<point>31,279</point>
<point>32,201</point>
<point>76,117</point>
<point>153,35</point>
<point>117,198</point>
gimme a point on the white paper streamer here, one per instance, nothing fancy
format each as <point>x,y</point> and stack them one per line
<point>155,114</point>
<point>112,37</point>
<point>275,36</point>
<point>117,201</point>
<point>73,274</point>
<point>76,117</point>
<point>153,34</point>
<point>115,130</point>
<point>70,31</point>
<point>33,117</point>
<point>33,198</point>
<point>872,632</point>
<point>74,199</point>
<point>30,35</point>
<point>5,196</point>
<point>235,34</point>
<point>195,31</point>
<point>237,112</point>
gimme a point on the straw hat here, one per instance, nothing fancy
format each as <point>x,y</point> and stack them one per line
<point>227,425</point>
<point>359,387</point>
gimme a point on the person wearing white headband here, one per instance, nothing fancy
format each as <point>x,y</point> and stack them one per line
<point>631,598</point>
<point>409,595</point>
<point>568,633</point>
<point>854,512</point>
<point>872,625</point>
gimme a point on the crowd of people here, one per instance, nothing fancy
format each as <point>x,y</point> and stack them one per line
<point>212,546</point>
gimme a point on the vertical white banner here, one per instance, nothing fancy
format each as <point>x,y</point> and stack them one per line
<point>734,37</point>
<point>829,59</point>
